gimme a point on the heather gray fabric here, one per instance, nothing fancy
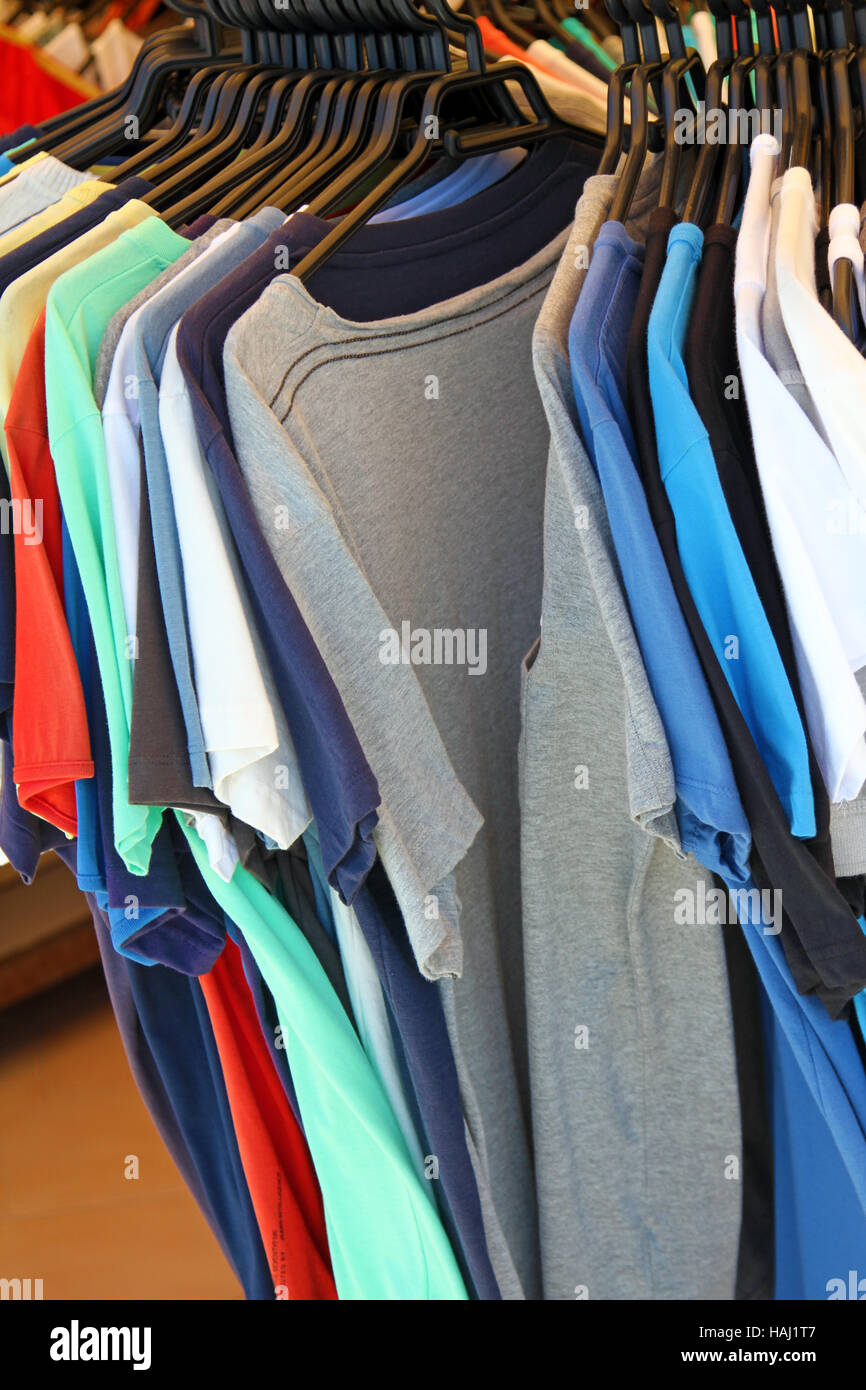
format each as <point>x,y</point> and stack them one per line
<point>35,189</point>
<point>847,818</point>
<point>116,325</point>
<point>777,345</point>
<point>635,1104</point>
<point>398,469</point>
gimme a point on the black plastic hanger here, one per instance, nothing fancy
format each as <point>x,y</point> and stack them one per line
<point>502,19</point>
<point>765,61</point>
<point>736,153</point>
<point>840,60</point>
<point>219,183</point>
<point>182,127</point>
<point>708,161</point>
<point>236,190</point>
<point>348,136</point>
<point>642,78</point>
<point>330,111</point>
<point>227,137</point>
<point>677,97</point>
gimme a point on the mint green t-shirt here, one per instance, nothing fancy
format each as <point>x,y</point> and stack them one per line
<point>385,1236</point>
<point>80,304</point>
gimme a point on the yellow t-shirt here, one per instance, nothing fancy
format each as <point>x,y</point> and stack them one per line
<point>22,302</point>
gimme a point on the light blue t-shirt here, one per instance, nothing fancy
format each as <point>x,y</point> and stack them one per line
<point>470,178</point>
<point>712,557</point>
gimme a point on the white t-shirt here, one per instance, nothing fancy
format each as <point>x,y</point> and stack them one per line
<point>252,760</point>
<point>832,368</point>
<point>823,573</point>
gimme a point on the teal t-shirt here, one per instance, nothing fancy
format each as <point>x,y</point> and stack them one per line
<point>80,304</point>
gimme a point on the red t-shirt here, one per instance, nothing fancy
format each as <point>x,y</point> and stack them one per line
<point>50,738</point>
<point>33,86</point>
<point>279,1170</point>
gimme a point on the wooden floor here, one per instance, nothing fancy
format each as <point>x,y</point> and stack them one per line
<point>69,1116</point>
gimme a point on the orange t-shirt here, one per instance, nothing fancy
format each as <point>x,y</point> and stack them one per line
<point>50,738</point>
<point>276,1160</point>
<point>502,46</point>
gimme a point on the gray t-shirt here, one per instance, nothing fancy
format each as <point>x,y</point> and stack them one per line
<point>398,470</point>
<point>635,1103</point>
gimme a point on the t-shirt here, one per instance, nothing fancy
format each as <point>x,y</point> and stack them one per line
<point>596,773</point>
<point>825,1051</point>
<point>79,306</point>
<point>73,201</point>
<point>847,819</point>
<point>468,178</point>
<point>154,761</point>
<point>276,1160</point>
<point>776,343</point>
<point>24,299</point>
<point>51,740</point>
<point>151,1084</point>
<point>717,833</point>
<point>385,1239</point>
<point>157,722</point>
<point>801,482</point>
<point>23,836</point>
<point>378,272</point>
<point>712,557</point>
<point>714,381</point>
<point>111,336</point>
<point>37,248</point>
<point>342,790</point>
<point>250,753</point>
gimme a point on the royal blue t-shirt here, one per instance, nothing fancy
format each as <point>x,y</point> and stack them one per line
<point>711,819</point>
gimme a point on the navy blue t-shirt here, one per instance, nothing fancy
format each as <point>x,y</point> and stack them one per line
<point>392,268</point>
<point>18,137</point>
<point>341,788</point>
<point>177,1031</point>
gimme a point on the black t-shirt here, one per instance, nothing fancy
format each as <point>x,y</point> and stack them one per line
<point>711,366</point>
<point>823,943</point>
